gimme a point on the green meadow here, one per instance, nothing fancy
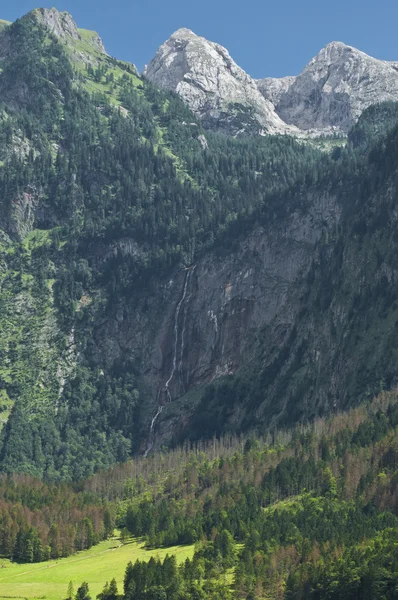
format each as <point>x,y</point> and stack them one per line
<point>49,580</point>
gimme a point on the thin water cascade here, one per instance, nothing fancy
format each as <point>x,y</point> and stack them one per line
<point>176,333</point>
<point>189,275</point>
<point>151,434</point>
<point>176,339</point>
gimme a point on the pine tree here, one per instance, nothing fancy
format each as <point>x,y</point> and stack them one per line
<point>83,592</point>
<point>109,523</point>
<point>113,591</point>
<point>109,592</point>
<point>70,592</point>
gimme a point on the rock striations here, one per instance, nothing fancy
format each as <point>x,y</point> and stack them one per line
<point>328,96</point>
<point>336,87</point>
<point>215,88</point>
<point>61,24</point>
<point>273,88</point>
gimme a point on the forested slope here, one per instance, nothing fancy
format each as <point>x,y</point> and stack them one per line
<point>250,281</point>
<point>309,512</point>
<point>340,347</point>
<point>104,183</point>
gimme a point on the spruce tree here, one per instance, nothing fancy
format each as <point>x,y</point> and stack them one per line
<point>83,592</point>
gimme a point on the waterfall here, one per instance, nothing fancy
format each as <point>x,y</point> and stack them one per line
<point>180,304</point>
<point>176,336</point>
<point>184,322</point>
<point>151,434</point>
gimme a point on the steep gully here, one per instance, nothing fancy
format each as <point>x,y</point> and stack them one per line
<point>176,346</point>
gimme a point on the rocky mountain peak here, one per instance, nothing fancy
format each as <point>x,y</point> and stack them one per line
<point>213,85</point>
<point>61,24</point>
<point>336,86</point>
<point>335,53</point>
<point>339,46</point>
<point>328,96</point>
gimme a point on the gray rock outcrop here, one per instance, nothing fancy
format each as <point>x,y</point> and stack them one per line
<point>273,88</point>
<point>336,87</point>
<point>62,25</point>
<point>215,88</point>
<point>327,97</point>
<point>197,326</point>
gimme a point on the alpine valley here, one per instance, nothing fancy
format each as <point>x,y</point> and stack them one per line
<point>199,280</point>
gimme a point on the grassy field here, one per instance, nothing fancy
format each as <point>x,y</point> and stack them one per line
<point>96,566</point>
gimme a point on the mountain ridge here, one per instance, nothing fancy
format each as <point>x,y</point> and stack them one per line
<point>336,86</point>
<point>326,98</point>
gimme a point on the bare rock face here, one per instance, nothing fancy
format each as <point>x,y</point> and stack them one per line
<point>327,97</point>
<point>335,88</point>
<point>197,325</point>
<point>62,25</point>
<point>214,87</point>
<point>96,41</point>
<point>273,88</point>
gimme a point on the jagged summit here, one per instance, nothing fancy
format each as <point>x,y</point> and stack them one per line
<point>61,24</point>
<point>329,95</point>
<point>337,44</point>
<point>335,50</point>
<point>336,86</point>
<point>84,45</point>
<point>213,85</point>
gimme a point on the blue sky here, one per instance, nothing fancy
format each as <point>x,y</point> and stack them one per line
<point>266,38</point>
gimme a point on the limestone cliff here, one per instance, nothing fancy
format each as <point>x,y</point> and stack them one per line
<point>328,96</point>
<point>274,88</point>
<point>336,87</point>
<point>62,25</point>
<point>212,84</point>
<point>159,283</point>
